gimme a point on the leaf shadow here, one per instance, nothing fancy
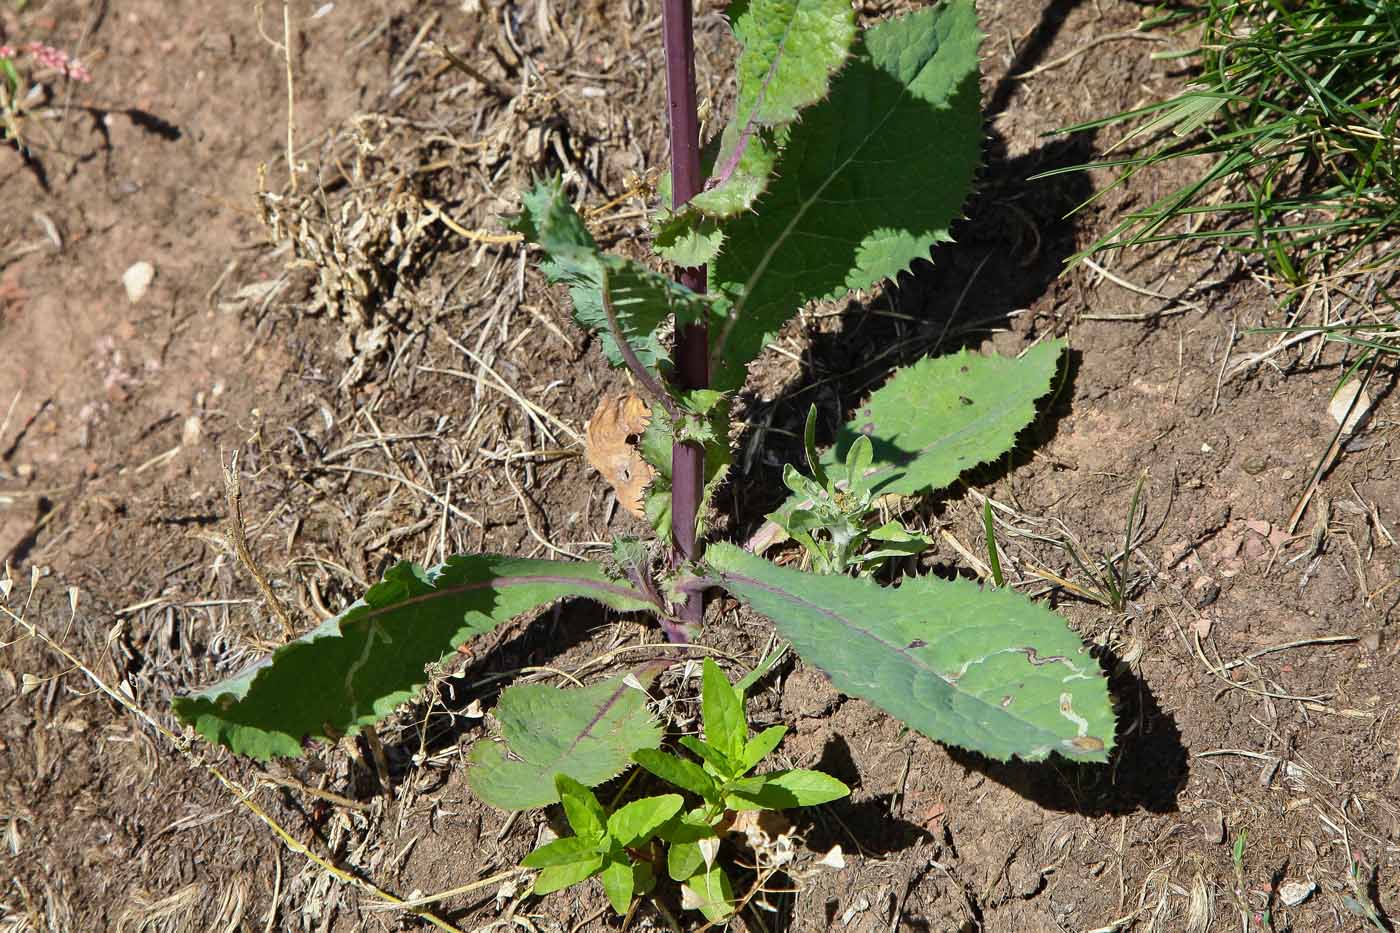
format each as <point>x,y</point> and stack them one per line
<point>1148,769</point>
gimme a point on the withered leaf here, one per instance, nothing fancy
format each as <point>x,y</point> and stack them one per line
<point>612,435</point>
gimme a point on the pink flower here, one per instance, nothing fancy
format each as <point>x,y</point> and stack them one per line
<point>7,51</point>
<point>49,57</point>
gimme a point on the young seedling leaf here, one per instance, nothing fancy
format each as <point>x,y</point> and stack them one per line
<point>619,883</point>
<point>783,790</point>
<point>639,820</point>
<point>761,745</point>
<point>869,180</point>
<point>582,809</point>
<point>588,733</point>
<point>353,669</point>
<point>642,300</point>
<point>567,851</point>
<point>722,764</point>
<point>710,893</point>
<point>557,877</point>
<point>722,709</point>
<point>681,772</point>
<point>986,670</point>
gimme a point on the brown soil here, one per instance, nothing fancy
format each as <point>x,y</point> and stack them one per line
<point>388,426</point>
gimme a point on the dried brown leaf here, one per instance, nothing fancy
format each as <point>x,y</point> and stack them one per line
<point>612,434</point>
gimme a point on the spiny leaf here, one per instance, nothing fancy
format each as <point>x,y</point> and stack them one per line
<point>986,670</point>
<point>868,181</point>
<point>588,733</point>
<point>355,668</point>
<point>791,50</point>
<point>641,299</point>
<point>947,414</point>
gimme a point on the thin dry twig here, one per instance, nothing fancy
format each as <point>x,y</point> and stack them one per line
<point>233,491</point>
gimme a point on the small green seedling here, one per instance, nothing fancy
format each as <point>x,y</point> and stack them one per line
<point>602,844</point>
<point>832,516</point>
<point>619,847</point>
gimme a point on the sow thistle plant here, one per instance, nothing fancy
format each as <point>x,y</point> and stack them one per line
<point>848,155</point>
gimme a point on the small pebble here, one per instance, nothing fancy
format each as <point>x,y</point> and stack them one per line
<point>193,431</point>
<point>1293,893</point>
<point>137,279</point>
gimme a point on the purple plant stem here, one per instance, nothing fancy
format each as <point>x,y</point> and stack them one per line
<point>692,341</point>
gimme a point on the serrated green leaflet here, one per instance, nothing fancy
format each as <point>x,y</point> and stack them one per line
<point>353,669</point>
<point>868,181</point>
<point>641,299</point>
<point>681,772</point>
<point>791,50</point>
<point>945,415</point>
<point>986,670</point>
<point>710,893</point>
<point>588,733</point>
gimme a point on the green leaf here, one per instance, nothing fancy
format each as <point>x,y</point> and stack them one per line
<point>683,860</point>
<point>638,821</point>
<point>710,893</point>
<point>686,239</point>
<point>783,790</point>
<point>581,808</point>
<point>655,445</point>
<point>353,669</point>
<point>947,414</point>
<point>869,180</point>
<point>758,747</point>
<point>722,763</point>
<point>791,50</point>
<point>642,300</point>
<point>986,670</point>
<point>681,772</point>
<point>557,877</point>
<point>722,709</point>
<point>618,883</point>
<point>567,851</point>
<point>588,733</point>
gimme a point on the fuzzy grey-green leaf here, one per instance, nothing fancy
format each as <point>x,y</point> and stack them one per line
<point>986,670</point>
<point>588,733</point>
<point>353,669</point>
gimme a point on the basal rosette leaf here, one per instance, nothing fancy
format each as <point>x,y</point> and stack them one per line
<point>353,669</point>
<point>587,733</point>
<point>869,180</point>
<point>985,670</point>
<point>641,299</point>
